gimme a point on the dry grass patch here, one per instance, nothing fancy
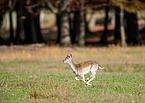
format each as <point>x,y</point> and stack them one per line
<point>37,74</point>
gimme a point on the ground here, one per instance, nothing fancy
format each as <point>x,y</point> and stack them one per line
<point>36,73</point>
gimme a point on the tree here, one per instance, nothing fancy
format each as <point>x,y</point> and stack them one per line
<point>104,35</point>
<point>20,32</point>
<point>132,28</point>
<point>11,21</point>
<point>32,24</point>
<point>78,22</point>
<point>130,6</point>
<point>117,24</point>
<point>81,41</point>
<point>1,23</point>
<point>28,22</point>
<point>123,38</point>
<point>65,28</point>
<point>131,21</point>
<point>75,25</point>
<point>62,17</point>
<point>28,27</point>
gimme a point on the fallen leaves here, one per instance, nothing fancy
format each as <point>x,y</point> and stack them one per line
<point>21,99</point>
<point>140,85</point>
<point>32,76</point>
<point>20,87</point>
<point>132,101</point>
<point>116,83</point>
<point>66,80</point>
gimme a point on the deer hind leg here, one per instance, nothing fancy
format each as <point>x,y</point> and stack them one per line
<point>89,77</point>
<point>95,69</point>
<point>93,76</point>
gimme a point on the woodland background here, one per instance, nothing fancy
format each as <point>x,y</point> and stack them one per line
<point>72,22</point>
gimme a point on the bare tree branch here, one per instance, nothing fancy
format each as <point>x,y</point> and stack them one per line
<point>66,5</point>
<point>51,7</point>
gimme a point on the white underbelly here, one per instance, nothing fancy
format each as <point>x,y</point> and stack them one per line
<point>86,70</point>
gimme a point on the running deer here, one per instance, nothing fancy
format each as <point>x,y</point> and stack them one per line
<point>83,68</point>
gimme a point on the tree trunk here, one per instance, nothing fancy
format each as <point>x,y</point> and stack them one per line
<point>65,39</point>
<point>76,27</point>
<point>62,21</point>
<point>31,36</point>
<point>104,35</point>
<point>20,32</point>
<point>86,24</point>
<point>132,28</point>
<point>32,27</point>
<point>65,34</point>
<point>11,21</point>
<point>38,29</point>
<point>123,40</point>
<point>58,23</point>
<point>32,23</point>
<point>117,35</point>
<point>81,41</point>
<point>1,23</point>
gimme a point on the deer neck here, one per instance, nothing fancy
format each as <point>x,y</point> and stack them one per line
<point>73,67</point>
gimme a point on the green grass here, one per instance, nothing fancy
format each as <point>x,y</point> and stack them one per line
<point>37,74</point>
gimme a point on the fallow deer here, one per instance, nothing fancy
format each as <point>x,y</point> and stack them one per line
<point>83,68</point>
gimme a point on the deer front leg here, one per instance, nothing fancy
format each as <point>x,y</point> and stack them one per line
<point>77,78</point>
<point>83,78</point>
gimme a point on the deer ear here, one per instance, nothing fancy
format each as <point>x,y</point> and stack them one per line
<point>71,55</point>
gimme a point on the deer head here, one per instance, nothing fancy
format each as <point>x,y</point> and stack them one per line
<point>68,59</point>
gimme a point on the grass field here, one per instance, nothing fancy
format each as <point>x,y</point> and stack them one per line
<point>37,74</point>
